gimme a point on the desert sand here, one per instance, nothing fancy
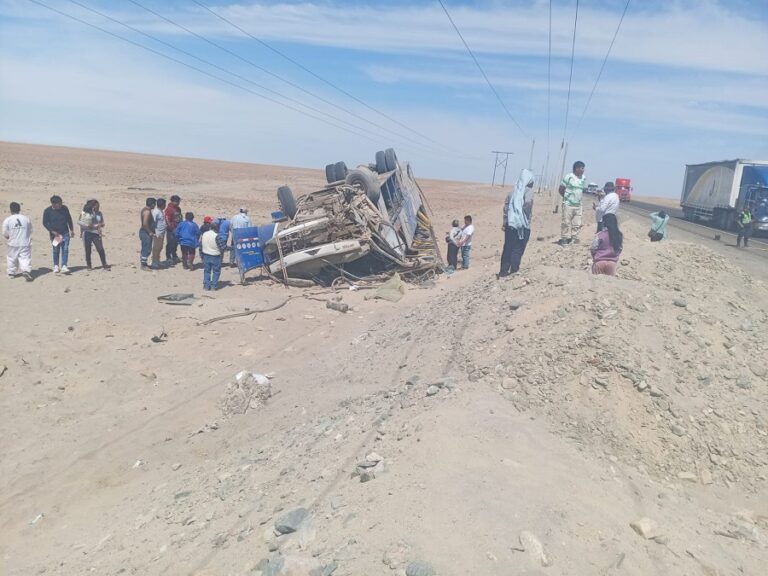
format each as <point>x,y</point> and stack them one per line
<point>553,423</point>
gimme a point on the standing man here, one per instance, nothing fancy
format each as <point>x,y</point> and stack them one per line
<point>571,189</point>
<point>517,224</point>
<point>744,224</point>
<point>17,229</point>
<point>466,241</point>
<point>172,218</point>
<point>609,204</point>
<point>223,238</point>
<point>58,221</point>
<point>158,215</point>
<point>147,232</point>
<point>240,220</point>
<point>211,253</point>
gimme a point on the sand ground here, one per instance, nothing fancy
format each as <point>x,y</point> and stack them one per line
<point>565,407</point>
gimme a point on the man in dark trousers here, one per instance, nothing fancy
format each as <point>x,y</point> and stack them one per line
<point>147,232</point>
<point>744,224</point>
<point>58,221</point>
<point>517,224</point>
<point>172,217</point>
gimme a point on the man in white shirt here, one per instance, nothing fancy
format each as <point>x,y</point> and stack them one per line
<point>158,215</point>
<point>466,241</point>
<point>609,204</point>
<point>211,251</point>
<point>240,220</point>
<point>17,229</point>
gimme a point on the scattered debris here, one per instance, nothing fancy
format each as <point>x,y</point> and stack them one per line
<point>248,391</point>
<point>419,568</point>
<point>246,313</point>
<point>290,522</point>
<point>645,527</point>
<point>177,299</point>
<point>162,337</point>
<point>532,546</point>
<point>338,306</point>
<point>36,519</point>
<point>392,290</point>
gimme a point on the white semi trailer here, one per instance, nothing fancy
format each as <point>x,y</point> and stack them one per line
<point>716,192</point>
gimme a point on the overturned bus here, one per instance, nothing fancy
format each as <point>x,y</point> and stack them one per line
<point>368,220</point>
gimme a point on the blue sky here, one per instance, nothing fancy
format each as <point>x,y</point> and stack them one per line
<point>686,82</point>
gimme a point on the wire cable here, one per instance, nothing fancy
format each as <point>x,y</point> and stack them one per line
<point>212,64</point>
<point>549,78</point>
<point>195,68</point>
<point>321,79</point>
<point>487,80</point>
<point>549,95</point>
<point>570,78</point>
<point>278,76</point>
<point>602,67</point>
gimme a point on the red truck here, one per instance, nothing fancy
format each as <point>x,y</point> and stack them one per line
<point>624,189</point>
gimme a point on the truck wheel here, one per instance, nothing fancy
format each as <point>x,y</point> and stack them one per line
<point>340,169</point>
<point>381,162</point>
<point>366,182</point>
<point>390,159</point>
<point>330,173</point>
<point>287,201</point>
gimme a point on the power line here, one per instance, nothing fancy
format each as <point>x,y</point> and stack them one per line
<point>602,67</point>
<point>549,93</point>
<point>549,77</point>
<point>487,80</point>
<point>277,76</point>
<point>212,64</point>
<point>570,78</point>
<point>320,78</point>
<point>195,68</point>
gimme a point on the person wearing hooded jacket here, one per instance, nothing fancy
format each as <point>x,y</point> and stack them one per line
<point>518,207</point>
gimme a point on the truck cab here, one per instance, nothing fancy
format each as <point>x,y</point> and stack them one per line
<point>757,198</point>
<point>624,189</point>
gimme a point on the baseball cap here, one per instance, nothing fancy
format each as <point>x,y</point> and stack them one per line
<point>208,220</point>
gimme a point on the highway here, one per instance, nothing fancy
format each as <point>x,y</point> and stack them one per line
<point>676,220</point>
<point>752,259</point>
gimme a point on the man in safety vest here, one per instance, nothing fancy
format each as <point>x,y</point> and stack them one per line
<point>744,224</point>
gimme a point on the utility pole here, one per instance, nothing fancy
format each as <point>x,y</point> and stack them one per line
<point>501,159</point>
<point>562,169</point>
<point>530,160</point>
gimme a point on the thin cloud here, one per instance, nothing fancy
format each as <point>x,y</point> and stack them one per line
<point>706,36</point>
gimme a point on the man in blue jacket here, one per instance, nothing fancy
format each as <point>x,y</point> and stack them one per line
<point>58,221</point>
<point>223,238</point>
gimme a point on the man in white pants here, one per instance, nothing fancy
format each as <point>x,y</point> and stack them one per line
<point>17,229</point>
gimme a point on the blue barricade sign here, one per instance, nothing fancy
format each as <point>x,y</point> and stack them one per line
<point>248,246</point>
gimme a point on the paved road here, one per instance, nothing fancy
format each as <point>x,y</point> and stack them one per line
<point>759,245</point>
<point>673,212</point>
<point>752,259</point>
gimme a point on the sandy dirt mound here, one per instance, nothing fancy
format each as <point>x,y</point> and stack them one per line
<point>551,423</point>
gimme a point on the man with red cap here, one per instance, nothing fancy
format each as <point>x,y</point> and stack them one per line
<point>207,224</point>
